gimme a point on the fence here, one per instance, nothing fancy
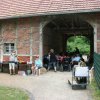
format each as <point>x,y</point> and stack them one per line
<point>97,68</point>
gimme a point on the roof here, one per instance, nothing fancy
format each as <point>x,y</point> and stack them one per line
<point>21,8</point>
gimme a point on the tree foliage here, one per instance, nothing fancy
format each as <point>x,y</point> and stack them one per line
<point>81,42</point>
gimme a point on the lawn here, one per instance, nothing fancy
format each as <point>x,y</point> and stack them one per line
<point>95,91</point>
<point>7,93</point>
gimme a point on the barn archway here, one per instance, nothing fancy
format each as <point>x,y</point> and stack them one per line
<point>60,28</point>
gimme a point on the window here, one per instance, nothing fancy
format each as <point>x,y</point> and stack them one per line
<point>8,47</point>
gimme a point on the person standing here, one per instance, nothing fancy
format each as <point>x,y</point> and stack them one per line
<point>12,61</point>
<point>53,60</point>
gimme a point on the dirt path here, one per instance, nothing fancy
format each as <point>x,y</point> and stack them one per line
<point>49,86</point>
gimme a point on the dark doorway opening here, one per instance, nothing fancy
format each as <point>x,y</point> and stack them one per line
<point>60,28</point>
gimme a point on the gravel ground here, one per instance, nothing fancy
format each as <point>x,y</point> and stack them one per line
<point>49,86</point>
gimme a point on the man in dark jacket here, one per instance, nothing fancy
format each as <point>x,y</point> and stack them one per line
<point>53,60</point>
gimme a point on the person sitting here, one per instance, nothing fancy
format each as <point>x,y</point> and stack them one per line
<point>59,61</point>
<point>37,65</point>
<point>75,60</point>
<point>66,63</point>
<point>82,63</point>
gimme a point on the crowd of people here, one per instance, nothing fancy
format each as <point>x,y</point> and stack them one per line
<point>58,62</point>
<point>63,61</point>
<point>66,62</point>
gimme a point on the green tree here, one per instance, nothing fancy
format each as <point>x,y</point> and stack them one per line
<point>81,42</point>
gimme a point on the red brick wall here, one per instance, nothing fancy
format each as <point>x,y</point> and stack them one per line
<point>8,29</point>
<point>23,58</point>
<point>35,42</point>
<point>20,58</point>
<point>18,31</point>
<point>24,26</point>
<point>23,41</point>
<point>5,58</point>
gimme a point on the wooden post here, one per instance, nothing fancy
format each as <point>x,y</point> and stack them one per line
<point>1,45</point>
<point>31,45</point>
<point>16,40</point>
<point>95,37</point>
<point>41,41</point>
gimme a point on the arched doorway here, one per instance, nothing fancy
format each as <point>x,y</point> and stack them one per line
<point>60,28</point>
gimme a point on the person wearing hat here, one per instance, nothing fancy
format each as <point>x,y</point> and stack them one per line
<point>37,65</point>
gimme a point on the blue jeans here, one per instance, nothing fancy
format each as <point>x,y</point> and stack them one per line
<point>52,64</point>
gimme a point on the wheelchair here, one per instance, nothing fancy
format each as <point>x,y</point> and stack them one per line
<point>80,77</point>
<point>66,64</point>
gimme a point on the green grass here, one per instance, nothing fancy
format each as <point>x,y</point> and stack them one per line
<point>7,93</point>
<point>95,91</point>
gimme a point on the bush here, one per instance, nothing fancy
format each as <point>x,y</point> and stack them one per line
<point>95,90</point>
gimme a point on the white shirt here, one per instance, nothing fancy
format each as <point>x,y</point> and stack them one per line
<point>13,58</point>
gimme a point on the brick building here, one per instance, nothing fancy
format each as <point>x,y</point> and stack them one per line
<point>32,27</point>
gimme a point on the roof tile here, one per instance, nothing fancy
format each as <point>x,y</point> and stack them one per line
<point>12,8</point>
